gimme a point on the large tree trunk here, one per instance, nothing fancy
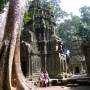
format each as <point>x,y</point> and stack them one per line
<point>11,77</point>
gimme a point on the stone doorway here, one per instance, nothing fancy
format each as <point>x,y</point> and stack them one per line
<point>77,70</point>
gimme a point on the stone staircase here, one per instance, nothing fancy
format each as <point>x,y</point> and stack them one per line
<point>35,76</point>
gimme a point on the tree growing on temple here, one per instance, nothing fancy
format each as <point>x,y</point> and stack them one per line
<point>11,76</point>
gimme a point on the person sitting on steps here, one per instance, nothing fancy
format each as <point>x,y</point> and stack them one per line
<point>44,79</point>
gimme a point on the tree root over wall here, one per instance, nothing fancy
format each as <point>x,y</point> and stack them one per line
<point>11,76</point>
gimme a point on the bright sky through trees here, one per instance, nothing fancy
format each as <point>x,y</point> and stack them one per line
<point>74,5</point>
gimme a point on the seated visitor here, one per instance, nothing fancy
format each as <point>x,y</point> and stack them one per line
<point>44,79</point>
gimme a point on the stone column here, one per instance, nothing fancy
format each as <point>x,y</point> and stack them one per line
<point>45,51</point>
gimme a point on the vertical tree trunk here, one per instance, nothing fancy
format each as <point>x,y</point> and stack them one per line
<point>11,77</point>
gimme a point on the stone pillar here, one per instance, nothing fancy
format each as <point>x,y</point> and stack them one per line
<point>66,65</point>
<point>60,62</point>
<point>45,51</point>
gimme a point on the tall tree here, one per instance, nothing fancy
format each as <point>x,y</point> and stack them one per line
<point>57,10</point>
<point>84,33</point>
<point>11,76</point>
<point>67,31</point>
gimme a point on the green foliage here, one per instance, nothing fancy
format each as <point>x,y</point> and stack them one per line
<point>27,17</point>
<point>68,29</point>
<point>1,4</point>
<point>76,27</point>
<point>85,15</point>
<point>84,28</point>
<point>56,9</point>
<point>84,34</point>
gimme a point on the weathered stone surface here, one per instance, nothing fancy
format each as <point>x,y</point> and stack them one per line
<point>39,44</point>
<point>31,62</point>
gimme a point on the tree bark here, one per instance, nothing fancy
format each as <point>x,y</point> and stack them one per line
<point>11,77</point>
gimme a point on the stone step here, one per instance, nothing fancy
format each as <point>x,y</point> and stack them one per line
<point>35,76</point>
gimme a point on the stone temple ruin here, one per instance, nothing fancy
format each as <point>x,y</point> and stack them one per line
<point>41,49</point>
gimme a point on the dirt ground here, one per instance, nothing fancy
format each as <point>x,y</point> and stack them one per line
<point>54,88</point>
<point>65,88</point>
